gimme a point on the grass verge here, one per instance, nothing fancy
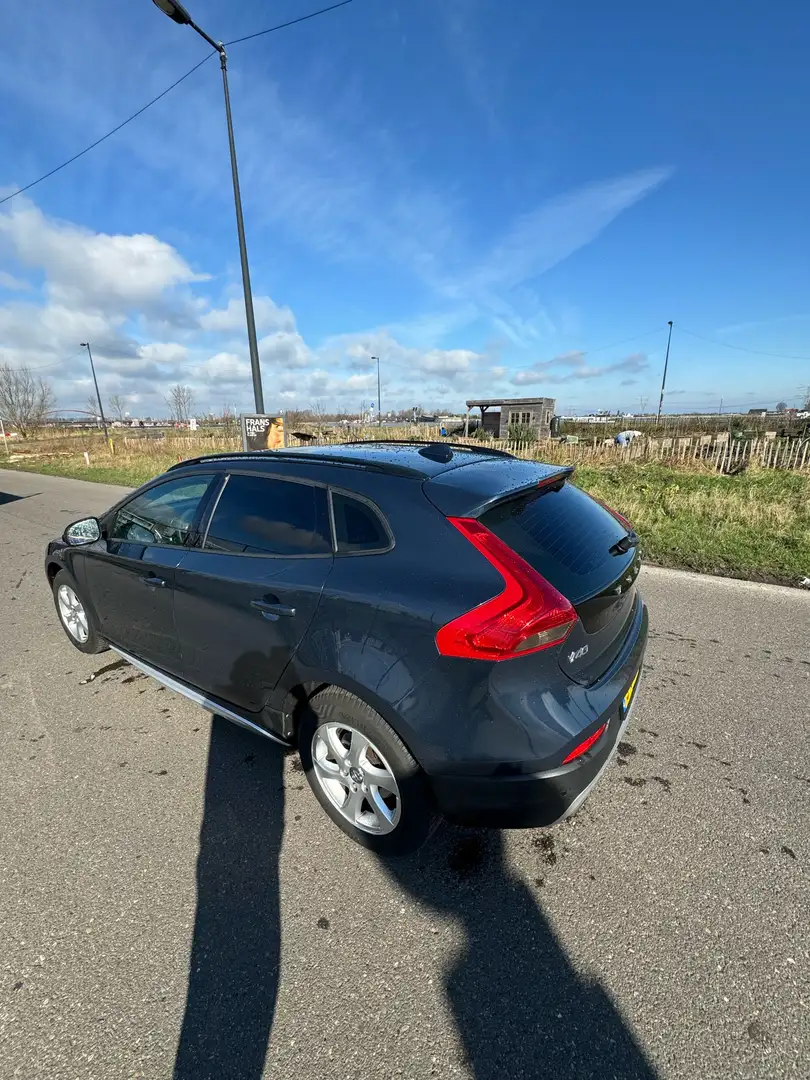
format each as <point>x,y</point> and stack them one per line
<point>755,526</point>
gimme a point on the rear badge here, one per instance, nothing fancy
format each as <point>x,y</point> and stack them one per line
<point>572,656</point>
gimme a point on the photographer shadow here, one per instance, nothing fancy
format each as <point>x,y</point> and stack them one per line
<point>235,952</point>
<point>520,1007</point>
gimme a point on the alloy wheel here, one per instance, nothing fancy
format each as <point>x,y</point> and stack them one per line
<point>73,614</point>
<point>356,778</point>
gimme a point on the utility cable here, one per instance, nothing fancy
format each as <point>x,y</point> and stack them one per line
<point>163,93</point>
<point>740,348</point>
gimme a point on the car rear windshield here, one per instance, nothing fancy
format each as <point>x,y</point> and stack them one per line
<point>566,536</point>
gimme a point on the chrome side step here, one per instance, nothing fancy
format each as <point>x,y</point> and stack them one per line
<point>197,697</point>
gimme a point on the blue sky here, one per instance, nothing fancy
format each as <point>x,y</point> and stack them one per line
<point>496,197</point>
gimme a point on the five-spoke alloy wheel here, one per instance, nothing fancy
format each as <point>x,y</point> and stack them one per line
<point>356,777</point>
<point>363,774</point>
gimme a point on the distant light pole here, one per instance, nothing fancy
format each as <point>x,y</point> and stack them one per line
<point>177,13</point>
<point>379,399</point>
<point>666,363</point>
<point>86,345</point>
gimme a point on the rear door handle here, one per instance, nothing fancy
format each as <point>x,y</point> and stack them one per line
<point>153,581</point>
<point>272,611</point>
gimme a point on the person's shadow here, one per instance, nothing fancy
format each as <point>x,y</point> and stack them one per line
<point>521,1009</point>
<point>234,965</point>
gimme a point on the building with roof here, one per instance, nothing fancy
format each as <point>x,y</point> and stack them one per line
<point>532,412</point>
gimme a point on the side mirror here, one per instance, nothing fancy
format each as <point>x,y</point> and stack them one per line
<point>86,531</point>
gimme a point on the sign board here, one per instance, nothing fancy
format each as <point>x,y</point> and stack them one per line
<point>192,424</point>
<point>263,431</point>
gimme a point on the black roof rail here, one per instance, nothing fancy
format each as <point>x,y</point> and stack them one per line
<point>304,458</point>
<point>223,454</point>
<point>432,442</point>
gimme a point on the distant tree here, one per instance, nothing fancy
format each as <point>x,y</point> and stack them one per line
<point>25,398</point>
<point>781,406</point>
<point>117,403</point>
<point>180,399</point>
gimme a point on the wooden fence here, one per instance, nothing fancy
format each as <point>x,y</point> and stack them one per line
<point>718,452</point>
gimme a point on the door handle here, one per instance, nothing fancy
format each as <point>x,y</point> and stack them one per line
<point>153,581</point>
<point>272,611</point>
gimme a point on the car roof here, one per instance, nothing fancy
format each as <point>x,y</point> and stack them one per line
<point>422,460</point>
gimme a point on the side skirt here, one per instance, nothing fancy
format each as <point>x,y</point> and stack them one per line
<point>197,697</point>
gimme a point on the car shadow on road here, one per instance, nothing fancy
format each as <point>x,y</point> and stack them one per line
<point>234,964</point>
<point>520,1007</point>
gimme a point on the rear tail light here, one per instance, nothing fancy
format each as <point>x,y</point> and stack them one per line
<point>528,615</point>
<point>586,744</point>
<point>622,520</point>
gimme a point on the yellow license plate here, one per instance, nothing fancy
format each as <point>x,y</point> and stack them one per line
<point>628,697</point>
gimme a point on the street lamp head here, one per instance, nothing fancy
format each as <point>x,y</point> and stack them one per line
<point>82,344</point>
<point>175,11</point>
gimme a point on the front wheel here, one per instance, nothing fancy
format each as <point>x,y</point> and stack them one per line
<point>76,620</point>
<point>363,775</point>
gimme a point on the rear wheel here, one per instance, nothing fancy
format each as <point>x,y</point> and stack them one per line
<point>363,775</point>
<point>76,620</point>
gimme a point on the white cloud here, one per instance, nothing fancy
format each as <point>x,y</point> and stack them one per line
<point>95,270</point>
<point>231,318</point>
<point>284,350</point>
<point>12,283</point>
<point>571,367</point>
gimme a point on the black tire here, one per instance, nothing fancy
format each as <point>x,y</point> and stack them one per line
<point>93,643</point>
<point>418,817</point>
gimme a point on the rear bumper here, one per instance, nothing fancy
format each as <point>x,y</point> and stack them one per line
<point>531,800</point>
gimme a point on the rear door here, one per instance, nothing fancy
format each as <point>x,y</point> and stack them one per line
<point>245,598</point>
<point>578,546</point>
<point>129,574</point>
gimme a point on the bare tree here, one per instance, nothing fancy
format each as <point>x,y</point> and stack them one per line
<point>117,403</point>
<point>25,398</point>
<point>179,400</point>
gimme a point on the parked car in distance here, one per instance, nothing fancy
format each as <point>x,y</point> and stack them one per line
<point>440,630</point>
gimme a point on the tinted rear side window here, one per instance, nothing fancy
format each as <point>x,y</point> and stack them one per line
<point>565,536</point>
<point>357,526</point>
<point>261,516</point>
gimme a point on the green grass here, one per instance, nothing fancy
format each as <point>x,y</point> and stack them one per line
<point>128,473</point>
<point>756,525</point>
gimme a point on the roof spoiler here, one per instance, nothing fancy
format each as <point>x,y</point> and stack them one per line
<point>476,488</point>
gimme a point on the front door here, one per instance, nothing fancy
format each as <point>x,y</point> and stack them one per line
<point>245,599</point>
<point>130,573</point>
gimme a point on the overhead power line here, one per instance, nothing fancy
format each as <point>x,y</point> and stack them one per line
<point>93,145</point>
<point>292,22</point>
<point>163,93</point>
<point>740,348</point>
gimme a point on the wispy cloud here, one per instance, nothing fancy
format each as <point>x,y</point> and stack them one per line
<point>483,79</point>
<point>571,367</point>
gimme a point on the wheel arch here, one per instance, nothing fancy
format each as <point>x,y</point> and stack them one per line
<point>301,692</point>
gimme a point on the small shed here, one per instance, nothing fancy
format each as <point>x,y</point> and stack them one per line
<point>534,412</point>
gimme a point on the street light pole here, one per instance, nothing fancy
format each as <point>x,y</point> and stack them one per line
<point>664,379</point>
<point>379,399</point>
<point>177,13</point>
<point>86,345</point>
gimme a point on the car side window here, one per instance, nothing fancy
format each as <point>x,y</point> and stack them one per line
<point>162,515</point>
<point>258,515</point>
<point>357,526</point>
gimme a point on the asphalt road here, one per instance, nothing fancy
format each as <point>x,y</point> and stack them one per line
<point>174,903</point>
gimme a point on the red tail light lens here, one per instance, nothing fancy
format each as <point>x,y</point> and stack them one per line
<point>528,615</point>
<point>585,746</point>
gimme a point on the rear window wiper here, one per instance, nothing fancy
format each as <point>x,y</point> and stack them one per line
<point>621,547</point>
